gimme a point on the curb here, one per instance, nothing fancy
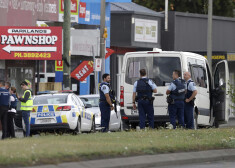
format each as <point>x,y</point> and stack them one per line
<point>152,160</point>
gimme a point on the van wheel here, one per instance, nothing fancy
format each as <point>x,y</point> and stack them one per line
<point>78,128</point>
<point>125,126</point>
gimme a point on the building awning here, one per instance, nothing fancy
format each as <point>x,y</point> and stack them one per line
<point>117,7</point>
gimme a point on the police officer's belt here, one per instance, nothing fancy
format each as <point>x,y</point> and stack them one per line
<point>178,99</point>
<point>102,100</point>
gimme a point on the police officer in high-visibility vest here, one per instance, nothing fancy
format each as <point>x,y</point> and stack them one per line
<point>144,88</point>
<point>4,106</point>
<point>26,106</point>
<point>191,93</point>
<point>176,92</point>
<point>105,102</point>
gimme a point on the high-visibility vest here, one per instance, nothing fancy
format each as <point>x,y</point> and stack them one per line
<point>28,106</point>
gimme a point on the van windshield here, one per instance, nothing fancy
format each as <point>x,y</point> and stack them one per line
<point>159,69</point>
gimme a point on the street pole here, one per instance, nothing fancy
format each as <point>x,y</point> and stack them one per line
<point>102,39</point>
<point>95,73</point>
<point>66,45</point>
<point>166,15</point>
<point>209,33</point>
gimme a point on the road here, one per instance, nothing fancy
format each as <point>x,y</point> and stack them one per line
<point>222,164</point>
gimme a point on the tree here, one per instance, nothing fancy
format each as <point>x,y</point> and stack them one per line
<point>220,7</point>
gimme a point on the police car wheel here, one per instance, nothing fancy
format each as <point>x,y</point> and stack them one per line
<point>78,128</point>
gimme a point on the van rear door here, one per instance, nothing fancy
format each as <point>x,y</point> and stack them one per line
<point>221,96</point>
<point>159,67</point>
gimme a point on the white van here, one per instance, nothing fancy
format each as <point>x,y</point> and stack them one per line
<point>212,100</point>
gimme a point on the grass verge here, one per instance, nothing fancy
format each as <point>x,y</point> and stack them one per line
<point>53,149</point>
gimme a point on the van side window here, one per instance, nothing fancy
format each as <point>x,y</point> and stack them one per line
<point>197,69</point>
<point>199,75</point>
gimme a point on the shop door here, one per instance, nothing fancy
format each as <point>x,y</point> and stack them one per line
<point>18,74</point>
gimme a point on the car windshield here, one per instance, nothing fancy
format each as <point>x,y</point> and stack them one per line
<point>94,101</point>
<point>50,99</point>
<point>159,69</point>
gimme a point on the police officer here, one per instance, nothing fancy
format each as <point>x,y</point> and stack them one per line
<point>105,102</point>
<point>176,91</point>
<point>144,88</point>
<point>26,106</point>
<point>4,106</point>
<point>191,92</point>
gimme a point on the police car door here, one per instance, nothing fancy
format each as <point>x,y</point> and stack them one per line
<point>221,96</point>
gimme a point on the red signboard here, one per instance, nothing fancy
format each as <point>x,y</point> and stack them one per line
<point>27,12</point>
<point>31,43</point>
<point>83,70</point>
<point>108,52</point>
<point>74,6</point>
<point>82,10</point>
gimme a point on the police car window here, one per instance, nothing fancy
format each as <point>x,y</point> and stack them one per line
<point>50,99</point>
<point>94,101</point>
<point>159,69</point>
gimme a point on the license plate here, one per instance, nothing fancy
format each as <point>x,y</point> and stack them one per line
<point>134,112</point>
<point>44,121</point>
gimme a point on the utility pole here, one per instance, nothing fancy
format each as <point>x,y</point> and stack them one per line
<point>166,15</point>
<point>209,33</point>
<point>66,44</point>
<point>102,39</point>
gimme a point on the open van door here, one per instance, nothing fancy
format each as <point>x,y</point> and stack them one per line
<point>220,94</point>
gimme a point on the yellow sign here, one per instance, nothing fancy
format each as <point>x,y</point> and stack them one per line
<point>58,65</point>
<point>231,57</point>
<point>217,57</point>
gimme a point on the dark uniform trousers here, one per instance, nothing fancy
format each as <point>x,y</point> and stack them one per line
<point>145,107</point>
<point>176,110</point>
<point>3,117</point>
<point>188,115</point>
<point>10,124</point>
<point>105,115</point>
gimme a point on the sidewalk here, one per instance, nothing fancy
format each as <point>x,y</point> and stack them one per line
<point>151,160</point>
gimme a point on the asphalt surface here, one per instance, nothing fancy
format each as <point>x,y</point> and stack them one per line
<point>223,164</point>
<point>185,159</point>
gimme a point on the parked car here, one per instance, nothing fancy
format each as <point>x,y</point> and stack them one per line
<point>60,112</point>
<point>115,118</point>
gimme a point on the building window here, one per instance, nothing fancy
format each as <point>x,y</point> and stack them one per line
<point>51,66</point>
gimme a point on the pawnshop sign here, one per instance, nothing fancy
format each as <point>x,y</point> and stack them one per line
<point>31,43</point>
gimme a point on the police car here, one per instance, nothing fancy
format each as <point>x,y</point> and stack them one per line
<point>115,117</point>
<point>60,112</point>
